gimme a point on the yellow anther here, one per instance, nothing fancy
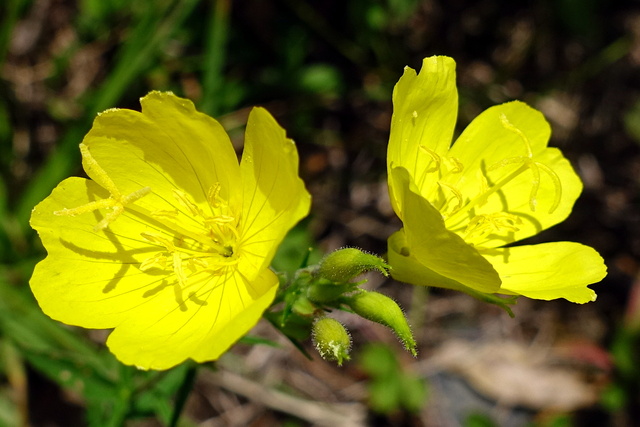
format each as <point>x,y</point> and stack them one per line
<point>177,269</point>
<point>116,202</point>
<point>196,264</point>
<point>527,162</point>
<point>455,165</point>
<point>89,207</point>
<point>95,171</point>
<point>164,213</point>
<point>535,185</point>
<point>509,161</point>
<point>509,126</point>
<point>109,218</point>
<point>483,225</point>
<point>435,158</point>
<point>135,195</point>
<point>557,184</point>
<point>213,195</point>
<point>456,193</point>
<point>158,260</point>
<point>535,168</point>
<point>219,220</point>
<point>159,240</point>
<point>183,199</point>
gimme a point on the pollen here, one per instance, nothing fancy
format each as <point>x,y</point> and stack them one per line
<point>186,251</point>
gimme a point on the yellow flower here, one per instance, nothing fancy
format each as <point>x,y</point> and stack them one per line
<point>461,204</point>
<point>170,240</point>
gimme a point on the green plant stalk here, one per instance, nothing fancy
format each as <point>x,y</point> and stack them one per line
<point>183,393</point>
<point>216,54</point>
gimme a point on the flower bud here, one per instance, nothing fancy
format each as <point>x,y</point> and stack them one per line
<point>344,264</point>
<point>331,339</point>
<point>381,309</point>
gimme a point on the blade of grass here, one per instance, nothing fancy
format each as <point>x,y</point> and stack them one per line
<point>213,79</point>
<point>183,394</point>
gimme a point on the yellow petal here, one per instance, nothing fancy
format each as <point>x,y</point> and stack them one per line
<point>409,269</point>
<point>485,143</point>
<point>427,240</point>
<point>425,108</point>
<point>163,335</point>
<point>89,278</point>
<point>275,198</point>
<point>488,139</point>
<point>549,271</point>
<point>168,145</point>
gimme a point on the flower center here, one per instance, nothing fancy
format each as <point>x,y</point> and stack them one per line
<point>458,210</point>
<point>194,253</point>
<point>194,242</point>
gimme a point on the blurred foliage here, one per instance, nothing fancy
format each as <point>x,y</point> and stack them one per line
<point>326,70</point>
<point>391,389</point>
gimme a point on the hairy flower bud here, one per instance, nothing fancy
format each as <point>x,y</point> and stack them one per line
<point>332,340</point>
<point>381,309</point>
<point>344,264</point>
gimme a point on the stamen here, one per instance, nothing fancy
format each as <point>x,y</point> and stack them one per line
<point>158,260</point>
<point>89,207</point>
<point>95,171</point>
<point>534,166</point>
<point>164,213</point>
<point>196,264</point>
<point>219,220</point>
<point>535,185</point>
<point>177,269</point>
<point>135,196</point>
<point>116,201</point>
<point>159,240</point>
<point>483,225</point>
<point>109,218</point>
<point>183,199</point>
<point>455,164</point>
<point>457,194</point>
<point>434,157</point>
<point>557,184</point>
<point>213,194</point>
<point>507,125</point>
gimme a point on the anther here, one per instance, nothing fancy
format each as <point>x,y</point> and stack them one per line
<point>183,199</point>
<point>116,201</point>
<point>456,193</point>
<point>435,158</point>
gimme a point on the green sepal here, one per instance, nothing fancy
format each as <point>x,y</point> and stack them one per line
<point>345,264</point>
<point>381,309</point>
